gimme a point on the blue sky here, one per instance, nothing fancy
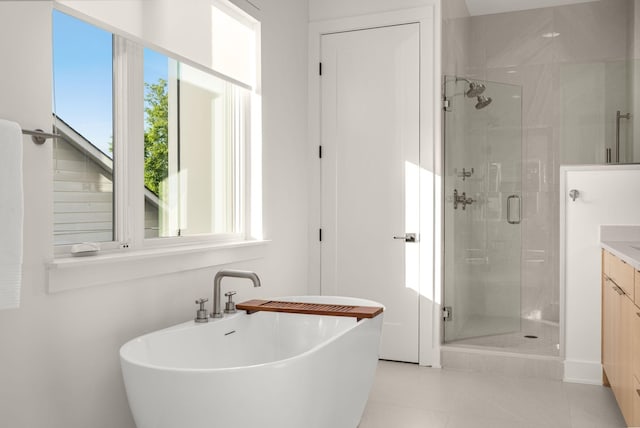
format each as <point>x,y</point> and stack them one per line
<point>83,77</point>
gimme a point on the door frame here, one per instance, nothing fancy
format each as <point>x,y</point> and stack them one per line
<point>428,17</point>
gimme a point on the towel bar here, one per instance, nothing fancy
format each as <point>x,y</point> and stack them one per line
<point>38,136</point>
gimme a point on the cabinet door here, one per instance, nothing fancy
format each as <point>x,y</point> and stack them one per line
<point>635,333</point>
<point>625,346</point>
<point>636,288</point>
<point>636,402</point>
<point>610,325</point>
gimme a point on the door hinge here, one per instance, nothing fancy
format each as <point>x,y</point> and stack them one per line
<point>320,68</point>
<point>446,104</point>
<point>320,234</point>
<point>447,313</point>
<point>320,152</point>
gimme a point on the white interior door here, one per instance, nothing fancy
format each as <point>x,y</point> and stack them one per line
<point>370,175</point>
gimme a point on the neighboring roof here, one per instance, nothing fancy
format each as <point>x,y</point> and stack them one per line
<point>100,158</point>
<point>85,146</point>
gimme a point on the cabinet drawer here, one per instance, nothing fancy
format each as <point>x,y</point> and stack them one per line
<point>635,340</point>
<point>606,262</point>
<point>637,288</point>
<point>620,272</point>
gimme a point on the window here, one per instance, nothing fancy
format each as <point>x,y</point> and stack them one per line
<point>83,105</point>
<point>154,148</point>
<point>194,129</point>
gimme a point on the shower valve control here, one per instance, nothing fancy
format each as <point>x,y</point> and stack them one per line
<point>202,315</point>
<point>461,200</point>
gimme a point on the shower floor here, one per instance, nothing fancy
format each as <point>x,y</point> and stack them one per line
<point>546,341</point>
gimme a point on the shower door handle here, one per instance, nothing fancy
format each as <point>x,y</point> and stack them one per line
<point>509,200</point>
<point>408,237</point>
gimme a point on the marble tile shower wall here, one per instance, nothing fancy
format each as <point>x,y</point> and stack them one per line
<point>572,64</point>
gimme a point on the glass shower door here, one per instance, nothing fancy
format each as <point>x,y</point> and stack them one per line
<point>482,209</point>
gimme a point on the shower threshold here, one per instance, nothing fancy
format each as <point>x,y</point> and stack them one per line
<point>534,338</point>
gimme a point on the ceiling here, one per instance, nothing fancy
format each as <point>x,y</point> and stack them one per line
<point>486,7</point>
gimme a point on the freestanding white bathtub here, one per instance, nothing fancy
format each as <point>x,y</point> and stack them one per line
<point>267,370</point>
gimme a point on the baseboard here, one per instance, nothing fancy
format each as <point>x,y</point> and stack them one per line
<point>588,372</point>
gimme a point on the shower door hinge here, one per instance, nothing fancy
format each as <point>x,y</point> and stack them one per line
<point>320,69</point>
<point>447,313</point>
<point>320,234</point>
<point>446,104</point>
<point>320,152</point>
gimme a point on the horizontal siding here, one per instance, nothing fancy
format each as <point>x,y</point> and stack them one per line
<point>81,217</point>
<point>84,207</point>
<point>78,165</point>
<point>82,177</point>
<point>65,228</point>
<point>66,196</point>
<point>67,153</point>
<point>82,198</point>
<point>83,237</point>
<point>79,187</point>
<point>150,220</point>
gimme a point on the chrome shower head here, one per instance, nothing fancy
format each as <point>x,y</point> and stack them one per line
<point>483,102</point>
<point>475,89</point>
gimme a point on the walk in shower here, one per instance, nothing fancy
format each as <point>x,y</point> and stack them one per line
<point>482,221</point>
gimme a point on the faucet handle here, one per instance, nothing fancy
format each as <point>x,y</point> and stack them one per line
<point>230,306</point>
<point>202,315</point>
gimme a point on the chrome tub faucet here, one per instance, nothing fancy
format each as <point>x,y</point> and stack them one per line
<point>217,310</point>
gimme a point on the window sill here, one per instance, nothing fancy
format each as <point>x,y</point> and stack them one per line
<point>71,273</point>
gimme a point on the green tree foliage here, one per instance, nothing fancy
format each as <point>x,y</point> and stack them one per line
<point>156,135</point>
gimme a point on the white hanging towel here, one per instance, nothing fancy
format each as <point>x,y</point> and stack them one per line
<point>11,212</point>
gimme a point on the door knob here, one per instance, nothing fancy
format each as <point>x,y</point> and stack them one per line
<point>408,237</point>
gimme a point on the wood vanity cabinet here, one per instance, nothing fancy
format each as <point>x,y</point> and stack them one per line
<point>636,288</point>
<point>610,329</point>
<point>620,272</point>
<point>621,336</point>
<point>636,401</point>
<point>635,361</point>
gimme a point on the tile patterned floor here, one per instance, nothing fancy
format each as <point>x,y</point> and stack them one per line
<point>409,396</point>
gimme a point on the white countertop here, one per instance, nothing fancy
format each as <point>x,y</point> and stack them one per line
<point>623,242</point>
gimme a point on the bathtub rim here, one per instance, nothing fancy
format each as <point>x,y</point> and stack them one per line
<point>191,324</point>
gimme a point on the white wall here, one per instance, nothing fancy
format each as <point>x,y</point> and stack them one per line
<point>456,26</point>
<point>59,363</point>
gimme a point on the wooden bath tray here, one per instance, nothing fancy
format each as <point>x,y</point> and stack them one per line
<point>359,312</point>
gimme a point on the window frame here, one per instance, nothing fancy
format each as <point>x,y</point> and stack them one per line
<point>128,156</point>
